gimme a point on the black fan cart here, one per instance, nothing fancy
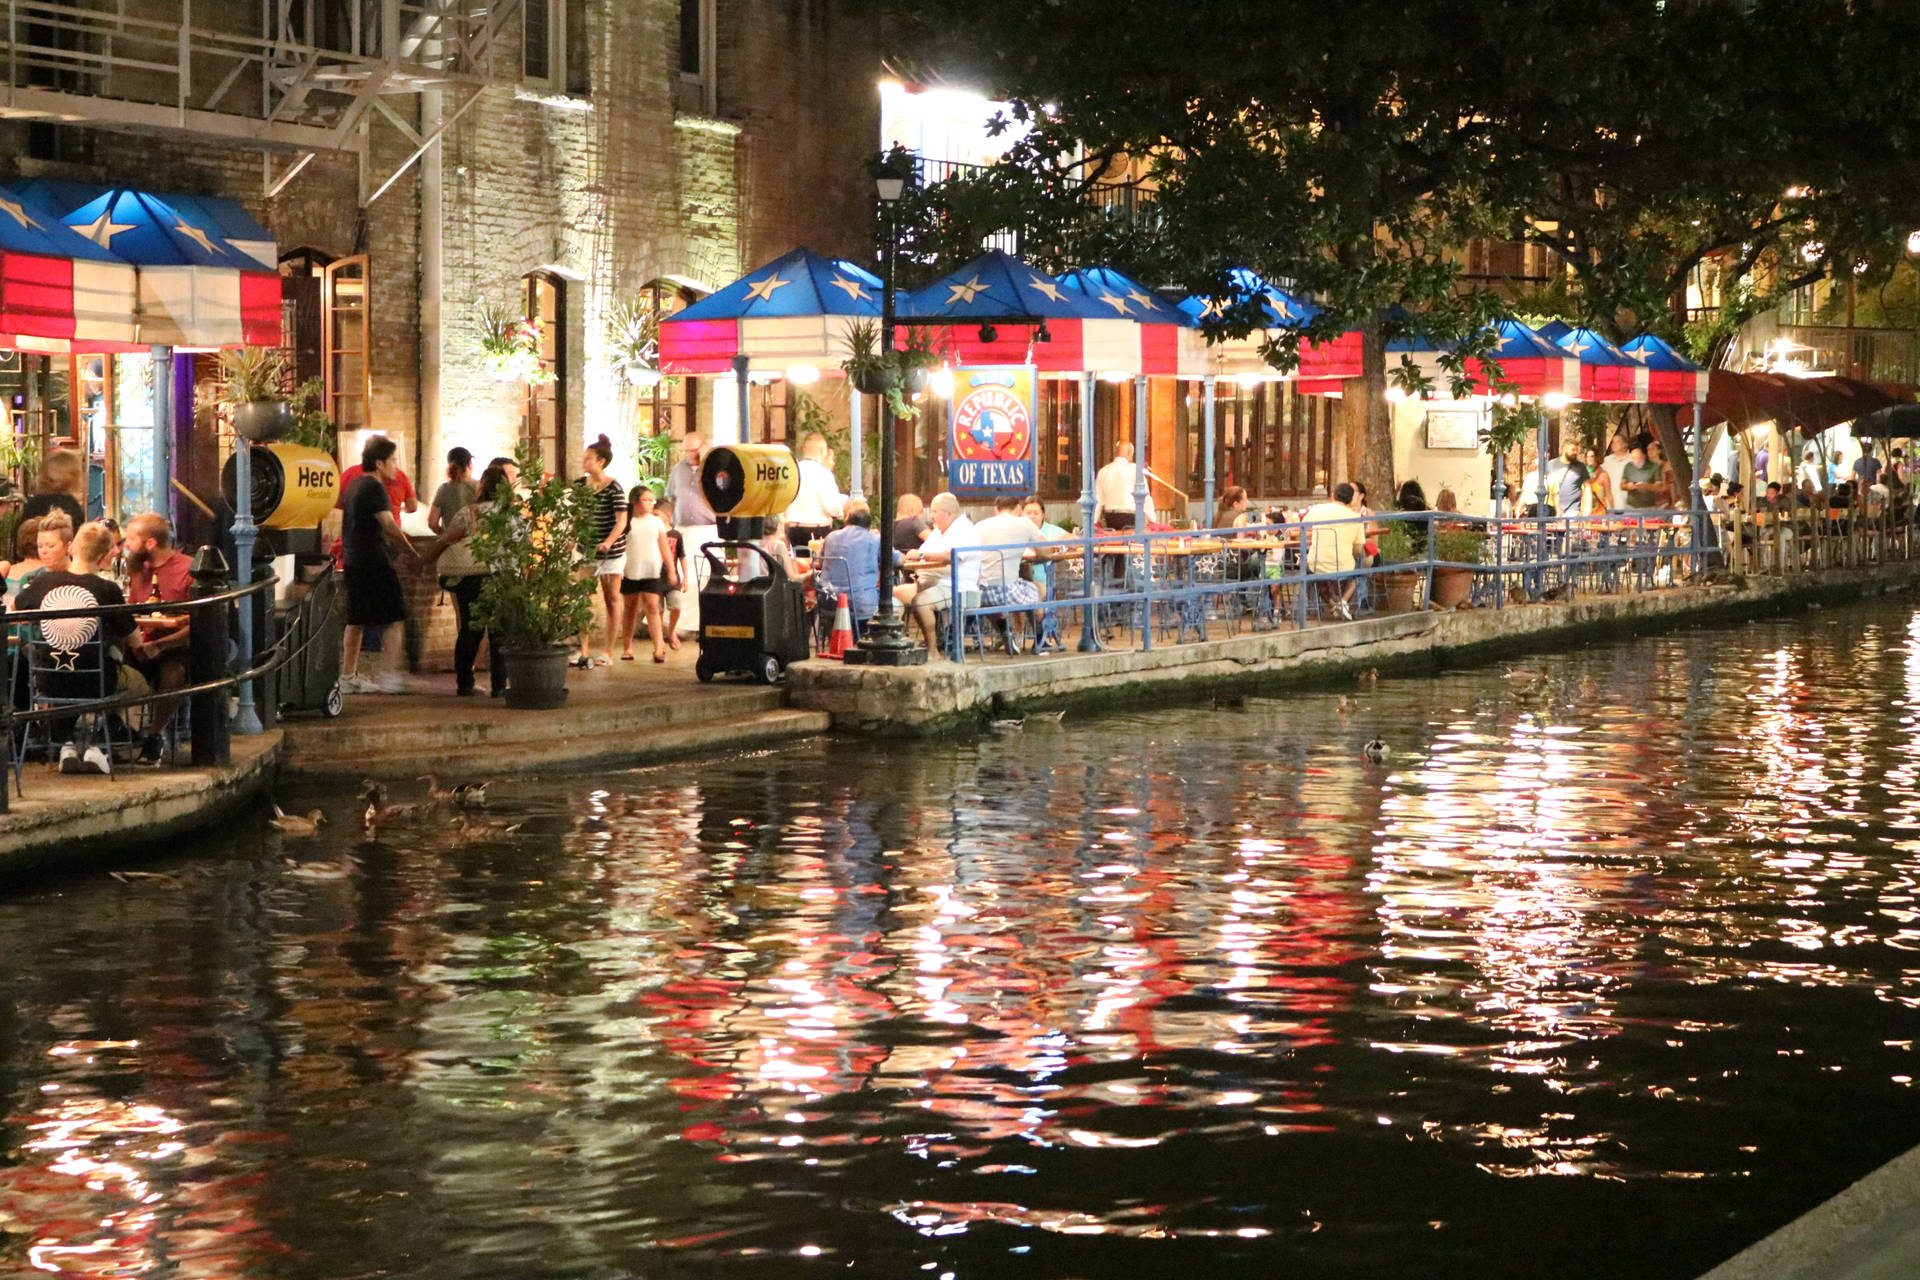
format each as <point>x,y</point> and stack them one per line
<point>754,626</point>
<point>308,621</point>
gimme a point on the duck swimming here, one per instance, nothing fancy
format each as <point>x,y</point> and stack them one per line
<point>296,824</point>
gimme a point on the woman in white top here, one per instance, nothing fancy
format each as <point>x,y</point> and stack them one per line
<point>648,573</point>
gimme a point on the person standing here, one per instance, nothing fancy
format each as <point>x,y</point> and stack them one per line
<point>695,521</point>
<point>609,554</point>
<point>1640,482</point>
<point>1611,467</point>
<point>819,502</point>
<point>54,487</point>
<point>458,490</point>
<point>1573,477</point>
<point>1113,490</point>
<point>375,600</point>
<point>675,599</point>
<point>648,574</point>
<point>462,574</point>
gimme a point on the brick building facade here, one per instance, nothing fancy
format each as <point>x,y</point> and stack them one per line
<point>591,148</point>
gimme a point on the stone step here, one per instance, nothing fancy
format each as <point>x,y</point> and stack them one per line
<point>376,726</point>
<point>636,740</point>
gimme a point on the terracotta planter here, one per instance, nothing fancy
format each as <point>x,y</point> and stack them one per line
<point>1452,588</point>
<point>536,675</point>
<point>1402,590</point>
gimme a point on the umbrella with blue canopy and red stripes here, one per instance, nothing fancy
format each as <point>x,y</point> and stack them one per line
<point>792,311</point>
<point>59,291</point>
<point>1671,377</point>
<point>999,310</point>
<point>1607,373</point>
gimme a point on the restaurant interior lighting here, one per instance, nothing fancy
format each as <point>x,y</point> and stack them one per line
<point>1913,242</point>
<point>801,375</point>
<point>941,384</point>
<point>1556,400</point>
<point>1396,394</point>
<point>1116,376</point>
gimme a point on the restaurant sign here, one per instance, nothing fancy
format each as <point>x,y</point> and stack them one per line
<point>990,432</point>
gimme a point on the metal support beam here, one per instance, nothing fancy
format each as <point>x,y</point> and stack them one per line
<point>277,185</point>
<point>422,150</point>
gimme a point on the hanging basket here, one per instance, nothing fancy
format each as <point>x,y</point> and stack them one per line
<point>873,380</point>
<point>261,419</point>
<point>918,376</point>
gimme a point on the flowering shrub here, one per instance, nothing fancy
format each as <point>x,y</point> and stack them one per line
<point>536,593</point>
<point>510,344</point>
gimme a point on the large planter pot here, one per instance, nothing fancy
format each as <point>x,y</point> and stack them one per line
<point>536,675</point>
<point>918,376</point>
<point>1452,587</point>
<point>1402,591</point>
<point>261,419</point>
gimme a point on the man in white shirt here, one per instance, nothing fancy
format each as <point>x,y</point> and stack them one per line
<point>819,502</point>
<point>953,538</point>
<point>1113,490</point>
<point>695,521</point>
<point>1615,460</point>
<point>1000,580</point>
<point>1335,540</point>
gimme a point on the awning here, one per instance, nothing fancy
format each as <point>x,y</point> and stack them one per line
<point>795,310</point>
<point>1671,377</point>
<point>1809,405</point>
<point>195,288</point>
<point>1607,374</point>
<point>1336,358</point>
<point>1019,303</point>
<point>1895,422</point>
<point>59,291</point>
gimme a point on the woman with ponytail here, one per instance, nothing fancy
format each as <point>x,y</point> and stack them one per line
<point>610,545</point>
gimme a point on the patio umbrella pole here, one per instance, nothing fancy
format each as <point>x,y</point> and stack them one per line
<point>1206,448</point>
<point>1089,630</point>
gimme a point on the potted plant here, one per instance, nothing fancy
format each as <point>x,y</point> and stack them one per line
<point>250,385</point>
<point>535,599</point>
<point>1400,543</point>
<point>872,372</point>
<point>307,418</point>
<point>633,343</point>
<point>919,358</point>
<point>510,344</point>
<point>1455,547</point>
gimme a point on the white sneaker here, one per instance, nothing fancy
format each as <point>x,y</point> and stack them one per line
<point>392,682</point>
<point>96,760</point>
<point>69,758</point>
<point>1343,610</point>
<point>357,683</point>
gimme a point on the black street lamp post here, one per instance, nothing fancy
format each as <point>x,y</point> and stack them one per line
<point>886,643</point>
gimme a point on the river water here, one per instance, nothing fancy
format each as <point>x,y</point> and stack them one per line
<point>1606,970</point>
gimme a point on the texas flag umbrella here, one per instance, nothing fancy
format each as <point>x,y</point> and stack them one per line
<point>999,310</point>
<point>1671,377</point>
<point>795,310</point>
<point>196,290</point>
<point>59,291</point>
<point>1526,363</point>
<point>1323,363</point>
<point>1607,373</point>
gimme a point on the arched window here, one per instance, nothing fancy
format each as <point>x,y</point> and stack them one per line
<point>545,420</point>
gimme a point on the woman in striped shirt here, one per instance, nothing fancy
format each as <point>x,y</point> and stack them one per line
<point>609,548</point>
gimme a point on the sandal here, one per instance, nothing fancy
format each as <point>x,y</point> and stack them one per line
<point>659,657</point>
<point>604,660</point>
<point>674,643</point>
<point>580,662</point>
<point>626,657</point>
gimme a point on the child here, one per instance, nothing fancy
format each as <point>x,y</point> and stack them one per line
<point>675,598</point>
<point>648,571</point>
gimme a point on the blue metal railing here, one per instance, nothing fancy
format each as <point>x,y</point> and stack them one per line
<point>1178,582</point>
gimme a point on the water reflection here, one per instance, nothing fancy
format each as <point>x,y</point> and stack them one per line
<point>1617,945</point>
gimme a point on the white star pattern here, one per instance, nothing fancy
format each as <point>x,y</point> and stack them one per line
<point>1640,355</point>
<point>103,229</point>
<point>763,289</point>
<point>1575,348</point>
<point>1041,285</point>
<point>855,290</point>
<point>1118,304</point>
<point>1146,301</point>
<point>194,234</point>
<point>18,213</point>
<point>965,292</point>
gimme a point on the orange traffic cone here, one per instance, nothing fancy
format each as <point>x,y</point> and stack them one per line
<point>842,638</point>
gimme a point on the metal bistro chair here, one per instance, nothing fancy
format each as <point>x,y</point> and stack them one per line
<point>82,667</point>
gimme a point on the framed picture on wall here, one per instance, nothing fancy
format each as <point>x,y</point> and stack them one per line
<point>1454,428</point>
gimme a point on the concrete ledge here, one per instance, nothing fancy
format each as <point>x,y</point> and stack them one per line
<point>1870,1231</point>
<point>71,821</point>
<point>915,700</point>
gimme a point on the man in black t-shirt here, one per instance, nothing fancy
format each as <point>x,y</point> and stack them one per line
<point>66,644</point>
<point>374,597</point>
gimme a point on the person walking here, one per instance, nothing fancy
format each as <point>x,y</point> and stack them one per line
<point>462,574</point>
<point>695,520</point>
<point>609,553</point>
<point>647,575</point>
<point>375,600</point>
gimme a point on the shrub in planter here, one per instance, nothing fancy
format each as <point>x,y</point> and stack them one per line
<point>1453,587</point>
<point>250,385</point>
<point>535,599</point>
<point>1401,543</point>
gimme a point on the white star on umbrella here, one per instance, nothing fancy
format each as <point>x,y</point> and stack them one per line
<point>1118,304</point>
<point>1040,285</point>
<point>855,290</point>
<point>1576,348</point>
<point>763,289</point>
<point>1639,354</point>
<point>19,213</point>
<point>965,292</point>
<point>1146,301</point>
<point>103,229</point>
<point>194,234</point>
